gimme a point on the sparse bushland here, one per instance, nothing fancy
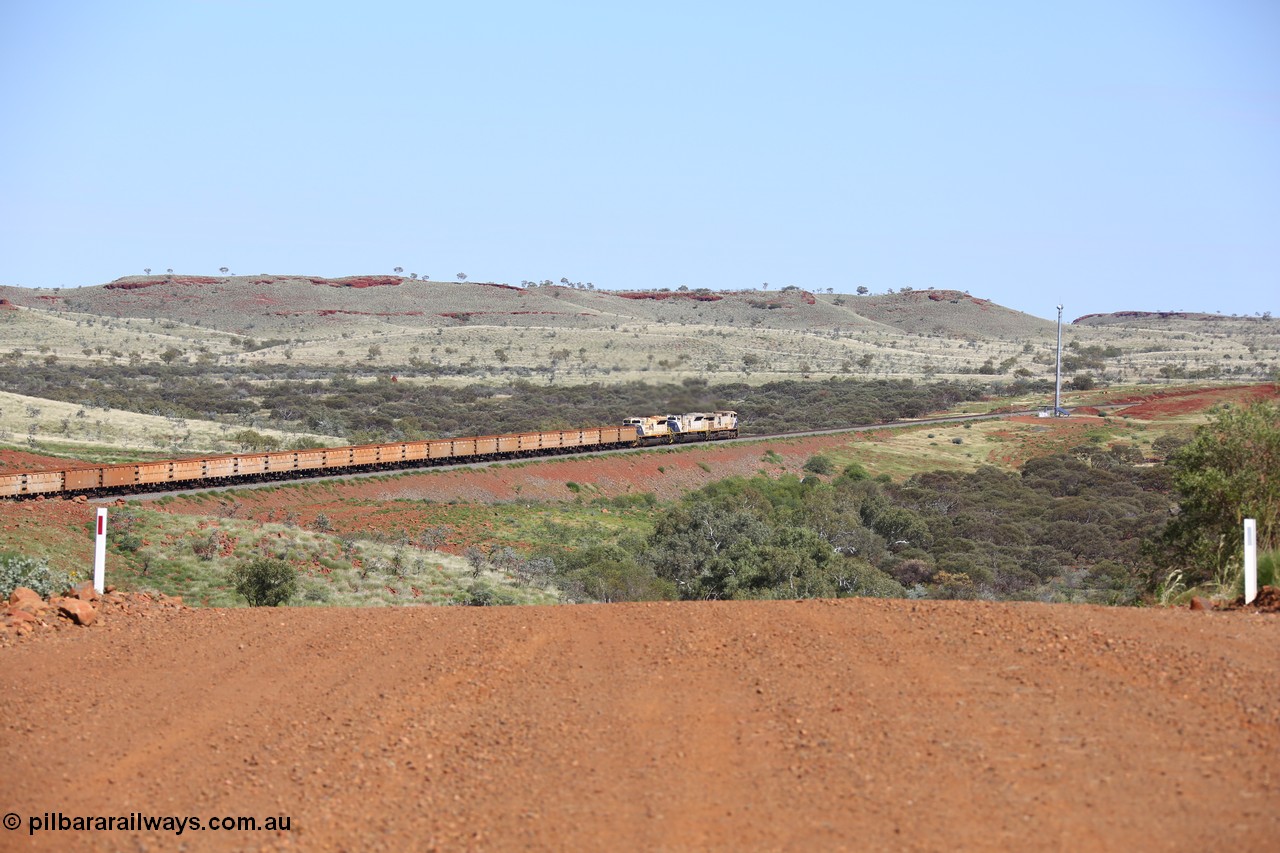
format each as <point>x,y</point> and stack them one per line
<point>1063,530</point>
<point>331,402</point>
<point>1068,527</point>
<point>399,410</point>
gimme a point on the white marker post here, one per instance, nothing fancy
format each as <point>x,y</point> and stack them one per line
<point>100,552</point>
<point>1250,560</point>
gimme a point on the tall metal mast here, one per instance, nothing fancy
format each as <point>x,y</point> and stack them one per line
<point>1057,383</point>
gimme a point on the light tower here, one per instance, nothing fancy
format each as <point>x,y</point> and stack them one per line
<point>1057,381</point>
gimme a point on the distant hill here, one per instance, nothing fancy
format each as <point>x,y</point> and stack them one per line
<point>470,331</point>
<point>278,302</point>
<point>950,313</point>
<point>1156,319</point>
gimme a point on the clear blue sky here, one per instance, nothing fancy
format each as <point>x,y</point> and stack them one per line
<point>1111,155</point>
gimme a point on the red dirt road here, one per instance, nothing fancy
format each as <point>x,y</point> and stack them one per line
<point>858,724</point>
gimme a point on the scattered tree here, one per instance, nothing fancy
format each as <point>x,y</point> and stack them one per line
<point>476,559</point>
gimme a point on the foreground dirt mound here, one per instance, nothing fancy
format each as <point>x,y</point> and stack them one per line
<point>29,615</point>
<point>1267,601</point>
<point>857,724</point>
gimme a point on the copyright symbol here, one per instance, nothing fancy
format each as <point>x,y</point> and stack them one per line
<point>12,821</point>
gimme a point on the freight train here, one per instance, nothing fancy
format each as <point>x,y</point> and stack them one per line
<point>255,466</point>
<point>695,426</point>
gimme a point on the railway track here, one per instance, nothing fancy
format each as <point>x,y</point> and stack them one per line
<point>378,468</point>
<point>155,495</point>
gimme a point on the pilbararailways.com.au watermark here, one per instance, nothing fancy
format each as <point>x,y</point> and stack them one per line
<point>140,822</point>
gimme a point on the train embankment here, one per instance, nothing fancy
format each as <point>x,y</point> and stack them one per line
<point>853,724</point>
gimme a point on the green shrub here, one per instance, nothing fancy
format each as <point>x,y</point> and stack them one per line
<point>819,464</point>
<point>636,500</point>
<point>1268,572</point>
<point>481,594</point>
<point>854,472</point>
<point>317,595</point>
<point>265,582</point>
<point>20,570</point>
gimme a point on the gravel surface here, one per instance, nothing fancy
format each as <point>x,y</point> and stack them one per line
<point>857,724</point>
